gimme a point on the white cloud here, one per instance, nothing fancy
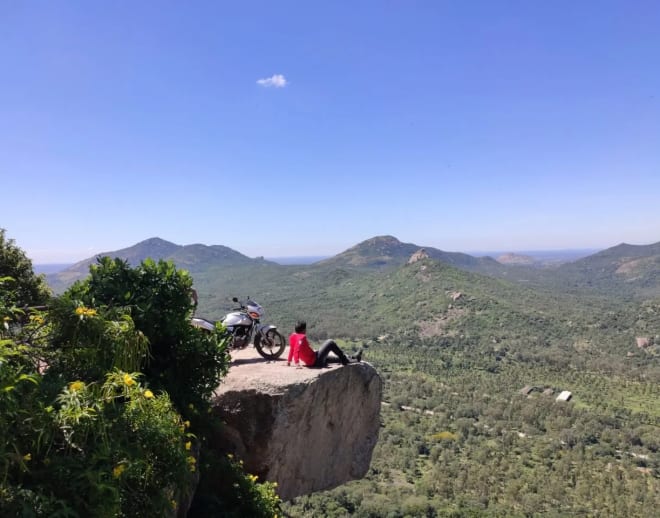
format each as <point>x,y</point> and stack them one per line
<point>276,81</point>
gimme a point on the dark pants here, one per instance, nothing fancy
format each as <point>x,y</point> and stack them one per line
<point>329,346</point>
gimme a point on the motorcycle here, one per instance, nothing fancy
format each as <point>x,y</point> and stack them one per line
<point>243,323</point>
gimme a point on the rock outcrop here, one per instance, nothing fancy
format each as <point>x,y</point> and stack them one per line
<point>418,256</point>
<point>306,429</point>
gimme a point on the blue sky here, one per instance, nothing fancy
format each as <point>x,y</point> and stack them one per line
<point>283,128</point>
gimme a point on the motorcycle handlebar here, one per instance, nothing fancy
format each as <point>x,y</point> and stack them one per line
<point>240,304</point>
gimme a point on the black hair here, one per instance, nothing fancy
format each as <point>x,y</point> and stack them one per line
<point>301,326</point>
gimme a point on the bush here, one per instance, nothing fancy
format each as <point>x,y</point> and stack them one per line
<point>27,289</point>
<point>106,448</point>
<point>149,304</point>
<point>92,393</point>
<point>226,490</point>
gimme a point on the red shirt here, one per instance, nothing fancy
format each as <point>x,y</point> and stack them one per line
<point>299,349</point>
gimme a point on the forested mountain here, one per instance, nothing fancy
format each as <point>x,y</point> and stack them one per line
<point>378,253</point>
<point>473,364</point>
<point>388,252</point>
<point>621,272</point>
<point>344,296</point>
<point>195,257</point>
<point>629,269</point>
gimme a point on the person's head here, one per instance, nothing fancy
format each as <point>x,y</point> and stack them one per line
<point>301,326</point>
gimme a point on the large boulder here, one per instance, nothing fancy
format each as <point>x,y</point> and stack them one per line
<point>306,429</point>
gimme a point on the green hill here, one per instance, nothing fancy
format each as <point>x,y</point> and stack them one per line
<point>372,289</point>
<point>623,272</point>
<point>195,257</point>
<point>472,365</point>
<point>435,302</point>
<point>388,252</point>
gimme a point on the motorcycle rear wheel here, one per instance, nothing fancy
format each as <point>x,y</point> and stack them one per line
<point>271,346</point>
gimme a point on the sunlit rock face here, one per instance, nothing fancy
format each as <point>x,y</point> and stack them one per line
<point>418,256</point>
<point>306,429</point>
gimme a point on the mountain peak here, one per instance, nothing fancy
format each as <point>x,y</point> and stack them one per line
<point>155,241</point>
<point>388,252</point>
<point>382,240</point>
<point>194,257</point>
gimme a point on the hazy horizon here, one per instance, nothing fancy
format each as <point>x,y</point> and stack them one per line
<point>43,257</point>
<point>562,254</point>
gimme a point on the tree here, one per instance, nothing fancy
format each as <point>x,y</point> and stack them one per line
<point>153,301</point>
<point>87,426</point>
<point>28,289</point>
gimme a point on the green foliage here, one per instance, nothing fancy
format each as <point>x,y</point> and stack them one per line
<point>459,439</point>
<point>87,427</point>
<point>27,289</point>
<point>623,271</point>
<point>454,349</point>
<point>149,304</point>
<point>228,491</point>
<point>112,448</point>
<point>87,342</point>
<point>123,447</point>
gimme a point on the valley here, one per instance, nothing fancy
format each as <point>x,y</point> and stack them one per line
<point>456,339</point>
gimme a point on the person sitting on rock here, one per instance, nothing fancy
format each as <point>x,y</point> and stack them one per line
<point>299,349</point>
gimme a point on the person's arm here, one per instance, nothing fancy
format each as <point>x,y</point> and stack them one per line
<point>291,346</point>
<point>296,352</point>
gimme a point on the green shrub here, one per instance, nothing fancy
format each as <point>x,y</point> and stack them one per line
<point>149,304</point>
<point>226,490</point>
<point>26,287</point>
<point>92,393</point>
<point>110,449</point>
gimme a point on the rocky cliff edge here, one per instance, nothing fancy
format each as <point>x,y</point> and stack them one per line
<point>306,429</point>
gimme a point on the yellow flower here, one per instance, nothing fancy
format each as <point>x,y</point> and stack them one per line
<point>82,311</point>
<point>230,456</point>
<point>188,445</point>
<point>6,319</point>
<point>76,386</point>
<point>27,457</point>
<point>118,470</point>
<point>173,504</point>
<point>128,380</point>
<point>191,463</point>
<point>253,478</point>
<point>148,394</point>
<point>37,319</point>
<point>186,424</point>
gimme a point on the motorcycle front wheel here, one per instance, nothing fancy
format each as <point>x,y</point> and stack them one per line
<point>271,346</point>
